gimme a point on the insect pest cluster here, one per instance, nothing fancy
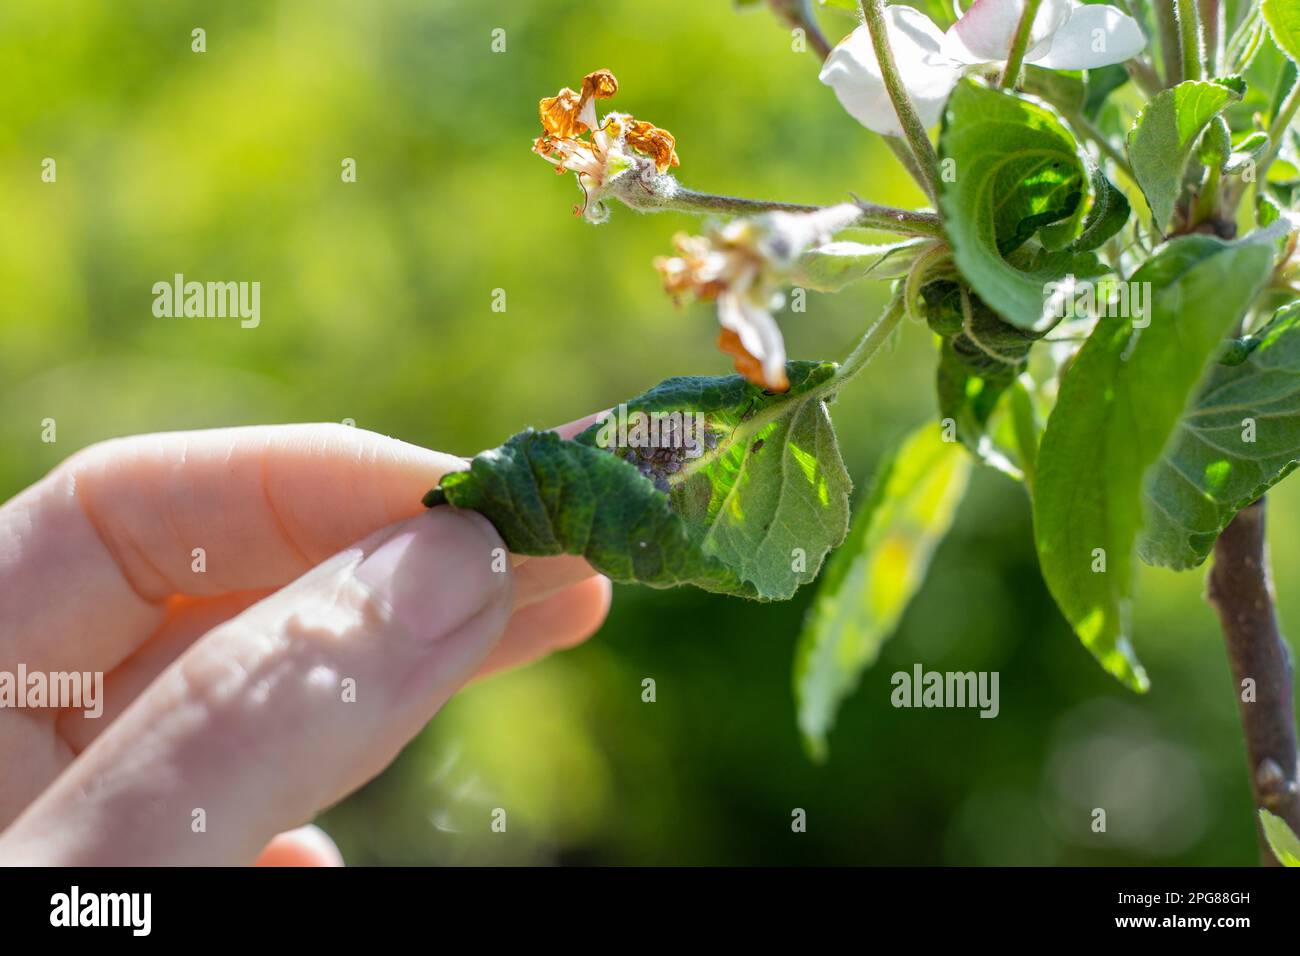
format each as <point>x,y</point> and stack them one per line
<point>663,445</point>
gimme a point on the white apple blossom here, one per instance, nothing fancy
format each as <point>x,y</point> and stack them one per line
<point>1066,35</point>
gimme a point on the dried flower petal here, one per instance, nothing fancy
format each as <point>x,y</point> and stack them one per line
<point>559,114</point>
<point>742,266</point>
<point>748,366</point>
<point>700,270</point>
<point>601,84</point>
<point>656,143</point>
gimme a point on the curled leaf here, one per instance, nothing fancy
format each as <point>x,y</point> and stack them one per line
<point>705,481</point>
<point>1012,168</point>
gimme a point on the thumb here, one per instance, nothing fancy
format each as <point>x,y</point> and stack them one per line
<point>284,709</point>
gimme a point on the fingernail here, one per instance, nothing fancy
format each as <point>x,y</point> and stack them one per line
<point>438,571</point>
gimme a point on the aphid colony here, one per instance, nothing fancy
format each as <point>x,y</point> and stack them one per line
<point>667,456</point>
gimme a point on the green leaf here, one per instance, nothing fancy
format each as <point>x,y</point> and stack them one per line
<point>753,514</point>
<point>1283,19</point>
<point>1010,167</point>
<point>1267,211</point>
<point>872,578</point>
<point>1210,471</point>
<point>1281,838</point>
<point>1163,138</point>
<point>1118,405</point>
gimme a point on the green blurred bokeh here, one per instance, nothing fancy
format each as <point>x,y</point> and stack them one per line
<point>376,307</point>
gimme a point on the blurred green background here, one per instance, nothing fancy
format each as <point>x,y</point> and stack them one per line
<point>376,306</point>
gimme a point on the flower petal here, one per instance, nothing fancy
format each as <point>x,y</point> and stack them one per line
<point>752,337</point>
<point>559,114</point>
<point>853,71</point>
<point>656,143</point>
<point>985,32</point>
<point>1095,35</point>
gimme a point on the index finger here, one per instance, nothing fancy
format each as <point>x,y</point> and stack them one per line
<point>91,555</point>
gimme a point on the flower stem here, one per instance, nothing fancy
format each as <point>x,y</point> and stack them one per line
<point>1212,26</point>
<point>1205,208</point>
<point>803,17</point>
<point>1170,46</point>
<point>1244,37</point>
<point>1019,43</point>
<point>1190,40</point>
<point>872,216</point>
<point>869,344</point>
<point>1277,131</point>
<point>688,200</point>
<point>913,129</point>
<point>858,359</point>
<point>1144,75</point>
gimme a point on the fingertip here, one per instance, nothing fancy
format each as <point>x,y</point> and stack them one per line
<point>591,603</point>
<point>580,425</point>
<point>306,846</point>
<point>561,621</point>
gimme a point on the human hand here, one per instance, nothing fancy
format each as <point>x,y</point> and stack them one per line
<point>226,669</point>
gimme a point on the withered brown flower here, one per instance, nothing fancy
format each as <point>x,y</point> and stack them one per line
<point>599,151</point>
<point>656,143</point>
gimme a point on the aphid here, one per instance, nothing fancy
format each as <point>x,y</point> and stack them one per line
<point>754,448</point>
